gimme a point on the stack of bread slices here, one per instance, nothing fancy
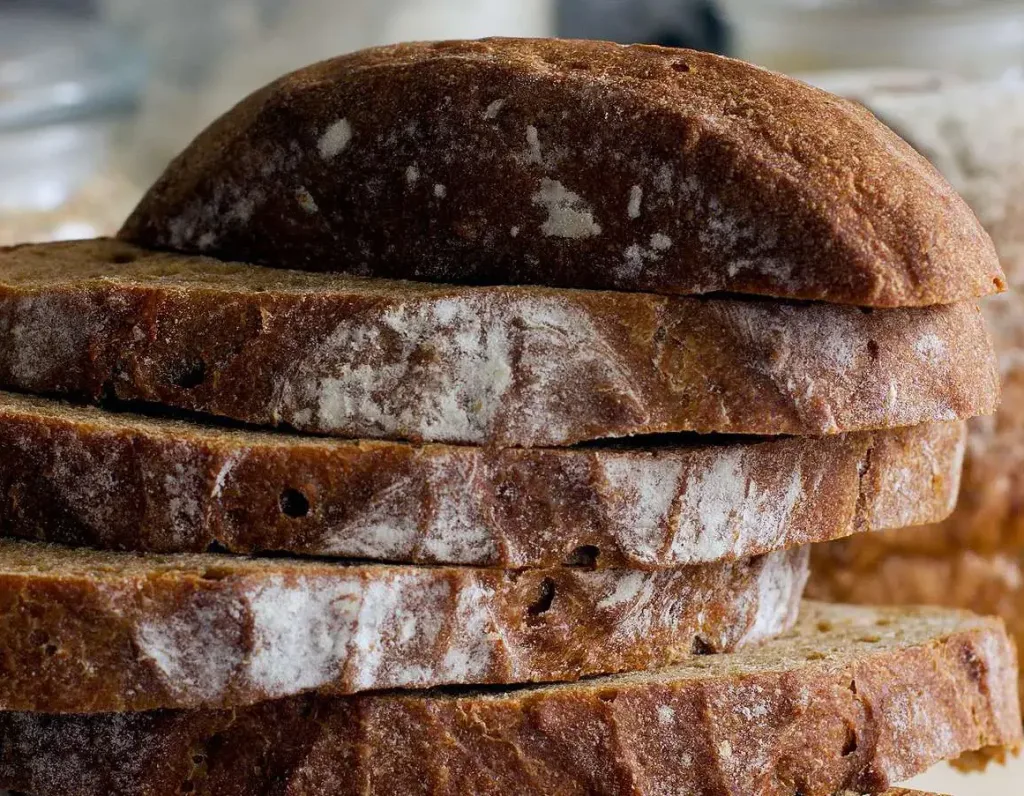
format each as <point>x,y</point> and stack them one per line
<point>534,520</point>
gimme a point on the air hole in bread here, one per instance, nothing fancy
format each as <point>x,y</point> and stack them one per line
<point>867,310</point>
<point>123,258</point>
<point>584,556</point>
<point>215,573</point>
<point>216,547</point>
<point>187,787</point>
<point>294,504</point>
<point>607,696</point>
<point>873,349</point>
<point>38,638</point>
<point>681,66</point>
<point>579,66</point>
<point>544,600</point>
<point>198,759</point>
<point>870,638</point>
<point>883,622</point>
<point>701,647</point>
<point>850,746</point>
<point>824,627</point>
<point>191,375</point>
<point>815,655</point>
<point>50,650</point>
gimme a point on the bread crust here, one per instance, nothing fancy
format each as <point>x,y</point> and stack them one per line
<point>504,366</point>
<point>86,477</point>
<point>853,699</point>
<point>85,631</point>
<point>574,164</point>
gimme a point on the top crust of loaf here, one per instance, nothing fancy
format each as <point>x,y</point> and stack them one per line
<point>572,164</point>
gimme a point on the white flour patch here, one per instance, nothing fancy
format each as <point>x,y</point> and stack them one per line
<point>640,496</point>
<point>568,215</point>
<point>412,174</point>
<point>440,191</point>
<point>930,348</point>
<point>636,198</point>
<point>494,109</point>
<point>534,153</point>
<point>335,139</point>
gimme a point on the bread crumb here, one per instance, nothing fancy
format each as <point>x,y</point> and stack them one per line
<point>336,138</point>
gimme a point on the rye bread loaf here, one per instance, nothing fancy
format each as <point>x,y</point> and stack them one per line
<point>852,699</point>
<point>991,584</point>
<point>574,164</point>
<point>512,366</point>
<point>84,476</point>
<point>84,631</point>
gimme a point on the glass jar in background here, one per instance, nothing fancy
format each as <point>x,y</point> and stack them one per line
<point>971,38</point>
<point>206,55</point>
<point>66,87</point>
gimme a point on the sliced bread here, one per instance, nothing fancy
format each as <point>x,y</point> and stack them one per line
<point>990,583</point>
<point>522,366</point>
<point>84,631</point>
<point>576,164</point>
<point>84,476</point>
<point>852,699</point>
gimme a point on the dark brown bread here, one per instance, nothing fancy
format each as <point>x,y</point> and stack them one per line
<point>990,584</point>
<point>84,631</point>
<point>83,476</point>
<point>853,699</point>
<point>575,164</point>
<point>511,366</point>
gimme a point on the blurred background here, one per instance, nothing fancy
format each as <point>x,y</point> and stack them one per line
<point>97,95</point>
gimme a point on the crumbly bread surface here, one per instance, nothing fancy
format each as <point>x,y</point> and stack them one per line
<point>575,164</point>
<point>86,631</point>
<point>83,476</point>
<point>988,583</point>
<point>852,699</point>
<point>510,366</point>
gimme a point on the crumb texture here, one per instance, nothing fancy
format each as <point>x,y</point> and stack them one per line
<point>89,631</point>
<point>851,699</point>
<point>506,366</point>
<point>83,476</point>
<point>573,164</point>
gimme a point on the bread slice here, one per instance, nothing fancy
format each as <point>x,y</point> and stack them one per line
<point>986,583</point>
<point>852,699</point>
<point>575,164</point>
<point>84,476</point>
<point>512,366</point>
<point>84,631</point>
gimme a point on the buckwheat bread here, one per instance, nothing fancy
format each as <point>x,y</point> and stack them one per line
<point>989,583</point>
<point>85,631</point>
<point>84,476</point>
<point>574,164</point>
<point>852,699</point>
<point>510,366</point>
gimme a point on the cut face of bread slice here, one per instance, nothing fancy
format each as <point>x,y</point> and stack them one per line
<point>852,699</point>
<point>85,631</point>
<point>575,164</point>
<point>83,476</point>
<point>360,358</point>
<point>987,583</point>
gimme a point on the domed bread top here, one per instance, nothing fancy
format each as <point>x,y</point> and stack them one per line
<point>506,366</point>
<point>572,164</point>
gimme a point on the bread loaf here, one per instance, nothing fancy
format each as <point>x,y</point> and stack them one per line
<point>84,631</point>
<point>574,164</point>
<point>991,584</point>
<point>852,699</point>
<point>83,476</point>
<point>521,366</point>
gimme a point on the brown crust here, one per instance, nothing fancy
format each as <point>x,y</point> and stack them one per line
<point>576,164</point>
<point>85,477</point>
<point>854,699</point>
<point>990,584</point>
<point>85,631</point>
<point>512,366</point>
